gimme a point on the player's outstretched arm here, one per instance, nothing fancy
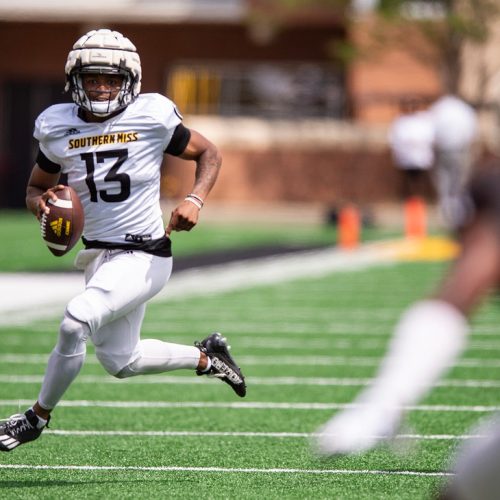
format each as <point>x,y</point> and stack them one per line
<point>208,162</point>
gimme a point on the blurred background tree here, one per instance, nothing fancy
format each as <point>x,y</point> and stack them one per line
<point>449,25</point>
<point>445,28</point>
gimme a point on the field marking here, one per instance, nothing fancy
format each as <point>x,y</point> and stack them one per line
<point>351,361</point>
<point>27,297</point>
<point>251,470</point>
<point>354,332</point>
<point>419,437</point>
<point>243,360</point>
<point>268,338</point>
<point>253,405</point>
<point>251,381</point>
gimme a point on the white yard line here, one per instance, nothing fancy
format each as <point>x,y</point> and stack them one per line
<point>112,468</point>
<point>28,297</point>
<point>253,381</point>
<point>254,405</point>
<point>266,360</point>
<point>278,435</point>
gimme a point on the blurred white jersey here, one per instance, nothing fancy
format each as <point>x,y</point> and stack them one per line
<point>411,138</point>
<point>114,166</point>
<point>455,122</point>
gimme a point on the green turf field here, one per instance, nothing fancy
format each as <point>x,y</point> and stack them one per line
<point>24,250</point>
<point>304,347</point>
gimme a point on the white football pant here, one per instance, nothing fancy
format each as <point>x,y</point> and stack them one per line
<point>110,312</point>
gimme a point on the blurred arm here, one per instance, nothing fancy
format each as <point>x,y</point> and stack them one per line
<point>477,269</point>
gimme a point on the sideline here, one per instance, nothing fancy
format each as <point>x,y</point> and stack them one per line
<point>28,297</point>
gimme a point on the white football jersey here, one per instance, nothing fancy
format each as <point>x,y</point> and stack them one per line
<point>411,138</point>
<point>114,166</point>
<point>455,122</point>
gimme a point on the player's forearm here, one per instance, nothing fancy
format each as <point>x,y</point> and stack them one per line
<point>38,183</point>
<point>207,170</point>
<point>33,195</point>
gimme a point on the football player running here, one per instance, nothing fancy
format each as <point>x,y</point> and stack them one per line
<point>110,143</point>
<point>428,339</point>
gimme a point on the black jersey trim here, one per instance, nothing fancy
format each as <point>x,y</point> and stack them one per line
<point>161,247</point>
<point>47,165</point>
<point>180,140</point>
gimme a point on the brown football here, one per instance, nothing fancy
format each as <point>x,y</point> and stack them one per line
<point>62,227</point>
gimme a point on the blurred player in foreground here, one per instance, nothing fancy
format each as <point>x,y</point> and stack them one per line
<point>111,144</point>
<point>429,337</point>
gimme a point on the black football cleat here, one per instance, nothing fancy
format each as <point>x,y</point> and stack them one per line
<point>223,365</point>
<point>19,429</point>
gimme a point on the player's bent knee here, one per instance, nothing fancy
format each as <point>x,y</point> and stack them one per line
<point>91,307</point>
<point>111,363</point>
<point>125,373</point>
<point>72,336</point>
<point>131,370</point>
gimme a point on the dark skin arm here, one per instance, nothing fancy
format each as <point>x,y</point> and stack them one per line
<point>208,162</point>
<point>476,272</point>
<point>41,187</point>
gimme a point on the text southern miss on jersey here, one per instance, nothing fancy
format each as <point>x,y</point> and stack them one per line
<point>99,140</point>
<point>114,165</point>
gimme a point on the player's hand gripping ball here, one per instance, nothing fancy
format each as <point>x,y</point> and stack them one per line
<point>62,227</point>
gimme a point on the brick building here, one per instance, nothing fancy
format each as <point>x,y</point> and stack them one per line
<point>293,123</point>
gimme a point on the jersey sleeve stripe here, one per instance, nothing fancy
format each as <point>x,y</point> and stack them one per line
<point>179,141</point>
<point>47,165</point>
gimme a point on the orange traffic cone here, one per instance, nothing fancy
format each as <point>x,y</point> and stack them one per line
<point>415,212</point>
<point>349,227</point>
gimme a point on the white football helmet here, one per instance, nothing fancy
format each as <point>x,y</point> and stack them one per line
<point>104,52</point>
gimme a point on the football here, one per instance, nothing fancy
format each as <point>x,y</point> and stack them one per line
<point>62,227</point>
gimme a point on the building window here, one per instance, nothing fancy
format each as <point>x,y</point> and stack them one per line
<point>271,90</point>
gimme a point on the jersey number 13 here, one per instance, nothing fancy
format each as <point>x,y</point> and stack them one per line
<point>113,175</point>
